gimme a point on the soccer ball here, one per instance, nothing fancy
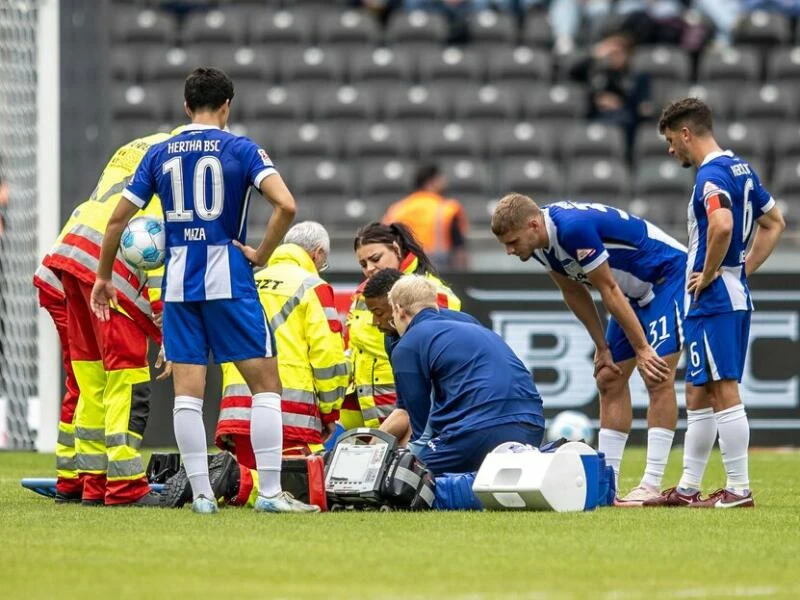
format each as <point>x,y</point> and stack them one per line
<point>572,425</point>
<point>143,243</point>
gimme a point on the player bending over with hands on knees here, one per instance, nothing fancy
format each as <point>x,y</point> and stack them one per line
<point>727,201</point>
<point>210,301</point>
<point>461,379</point>
<point>639,271</point>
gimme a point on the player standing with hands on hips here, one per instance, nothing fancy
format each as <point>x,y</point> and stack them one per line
<point>728,200</point>
<point>210,301</point>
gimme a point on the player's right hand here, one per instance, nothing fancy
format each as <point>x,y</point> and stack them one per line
<point>603,359</point>
<point>104,298</point>
<point>162,360</point>
<point>652,367</point>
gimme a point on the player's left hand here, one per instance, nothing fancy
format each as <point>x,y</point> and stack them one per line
<point>700,281</point>
<point>162,360</point>
<point>104,297</point>
<point>603,359</point>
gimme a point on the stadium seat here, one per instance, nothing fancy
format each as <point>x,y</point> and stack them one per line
<point>537,32</point>
<point>214,27</point>
<point>649,143</point>
<point>786,189</point>
<point>763,29</point>
<point>310,141</point>
<point>451,64</point>
<point>383,66</point>
<point>769,106</point>
<point>416,28</point>
<point>378,140</point>
<point>280,30</point>
<point>522,140</point>
<point>466,176</point>
<point>486,106</point>
<point>323,177</point>
<point>519,67</point>
<point>452,140</point>
<point>783,65</point>
<point>265,134</point>
<point>347,105</point>
<point>734,65</point>
<point>126,63</point>
<point>274,103</point>
<point>662,177</point>
<point>593,140</point>
<point>347,214</point>
<point>666,212</point>
<point>348,30</point>
<point>787,142</point>
<point>384,181</point>
<point>716,94</point>
<point>599,180</point>
<point>540,178</point>
<point>749,142</point>
<point>415,105</point>
<point>663,64</point>
<point>246,64</point>
<point>171,63</point>
<point>479,210</point>
<point>559,104</point>
<point>137,103</point>
<point>143,26</point>
<point>490,30</point>
<point>312,67</point>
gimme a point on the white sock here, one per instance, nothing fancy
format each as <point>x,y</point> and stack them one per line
<point>612,443</point>
<point>266,436</point>
<point>701,433</point>
<point>190,433</point>
<point>734,439</point>
<point>659,443</point>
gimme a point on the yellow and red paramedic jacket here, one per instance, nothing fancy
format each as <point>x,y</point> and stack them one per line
<point>77,250</point>
<point>374,394</point>
<point>310,350</point>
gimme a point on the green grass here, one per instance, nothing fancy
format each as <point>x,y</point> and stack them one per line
<point>50,551</point>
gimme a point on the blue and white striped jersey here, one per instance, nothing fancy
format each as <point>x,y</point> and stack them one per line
<point>203,175</point>
<point>724,174</point>
<point>584,236</point>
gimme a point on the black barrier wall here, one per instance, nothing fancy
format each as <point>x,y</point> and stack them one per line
<point>528,312</point>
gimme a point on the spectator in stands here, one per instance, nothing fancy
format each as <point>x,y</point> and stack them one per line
<point>617,94</point>
<point>460,378</point>
<point>382,9</point>
<point>439,223</point>
<point>456,11</point>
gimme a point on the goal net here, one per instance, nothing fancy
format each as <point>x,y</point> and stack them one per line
<point>20,247</point>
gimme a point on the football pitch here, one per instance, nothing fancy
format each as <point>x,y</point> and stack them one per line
<point>50,551</point>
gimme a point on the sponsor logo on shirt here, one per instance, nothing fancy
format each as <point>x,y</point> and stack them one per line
<point>265,157</point>
<point>584,253</point>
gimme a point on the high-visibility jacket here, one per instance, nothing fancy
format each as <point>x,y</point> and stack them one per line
<point>374,396</point>
<point>78,249</point>
<point>430,217</point>
<point>310,351</point>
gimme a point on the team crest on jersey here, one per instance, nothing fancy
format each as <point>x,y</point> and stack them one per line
<point>584,253</point>
<point>265,157</point>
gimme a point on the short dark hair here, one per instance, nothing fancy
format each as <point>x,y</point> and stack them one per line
<point>424,174</point>
<point>207,87</point>
<point>380,284</point>
<point>686,112</point>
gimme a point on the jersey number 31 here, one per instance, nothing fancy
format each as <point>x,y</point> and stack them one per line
<point>207,164</point>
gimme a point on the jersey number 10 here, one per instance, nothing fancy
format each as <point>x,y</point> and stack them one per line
<point>174,168</point>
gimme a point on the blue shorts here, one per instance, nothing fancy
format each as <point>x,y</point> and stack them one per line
<point>717,346</point>
<point>464,452</point>
<point>661,320</point>
<point>234,329</point>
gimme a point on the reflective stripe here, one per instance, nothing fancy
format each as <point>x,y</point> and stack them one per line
<point>236,389</point>
<point>293,302</point>
<point>154,281</point>
<point>407,476</point>
<point>90,262</point>
<point>126,468</point>
<point>123,439</point>
<point>46,275</point>
<point>66,439</point>
<point>91,462</point>
<point>427,494</point>
<point>235,414</point>
<point>332,395</point>
<point>376,390</point>
<point>303,421</point>
<point>301,396</point>
<point>331,313</point>
<point>115,189</point>
<point>90,434</point>
<point>330,372</point>
<point>361,304</point>
<point>378,412</point>
<point>66,463</point>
